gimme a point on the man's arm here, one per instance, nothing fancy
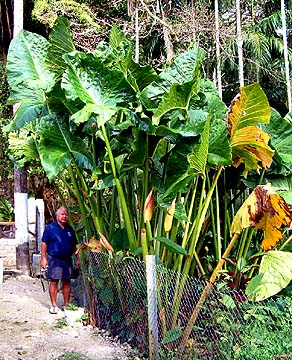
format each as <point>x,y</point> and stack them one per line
<point>44,261</point>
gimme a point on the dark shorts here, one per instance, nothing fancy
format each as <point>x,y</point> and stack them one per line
<point>59,268</point>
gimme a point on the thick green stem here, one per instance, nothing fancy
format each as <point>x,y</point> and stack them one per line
<point>126,214</point>
<point>158,232</point>
<point>112,213</point>
<point>127,218</point>
<point>202,214</point>
<point>144,244</point>
<point>80,200</point>
<point>199,223</point>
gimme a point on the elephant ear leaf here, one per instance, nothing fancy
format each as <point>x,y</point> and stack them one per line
<point>58,147</point>
<point>61,43</point>
<point>265,210</point>
<point>28,75</point>
<point>249,143</point>
<point>102,90</point>
<point>275,273</point>
<point>198,158</point>
<point>183,70</point>
<point>26,62</point>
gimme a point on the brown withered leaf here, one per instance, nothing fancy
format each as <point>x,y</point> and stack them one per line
<point>93,244</point>
<point>105,243</point>
<point>264,209</point>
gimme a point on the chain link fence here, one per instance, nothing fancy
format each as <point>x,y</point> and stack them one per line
<point>227,326</point>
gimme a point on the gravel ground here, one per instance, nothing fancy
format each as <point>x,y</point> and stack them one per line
<point>28,331</point>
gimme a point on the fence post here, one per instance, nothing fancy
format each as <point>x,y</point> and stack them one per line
<point>1,270</point>
<point>152,306</point>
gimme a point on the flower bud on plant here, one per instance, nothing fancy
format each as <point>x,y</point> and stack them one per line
<point>169,216</point>
<point>148,206</point>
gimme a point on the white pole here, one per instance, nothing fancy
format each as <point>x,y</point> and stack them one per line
<point>17,16</point>
<point>21,216</point>
<point>20,197</point>
<point>1,270</point>
<point>152,307</point>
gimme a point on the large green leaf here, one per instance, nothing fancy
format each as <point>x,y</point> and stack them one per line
<point>280,131</point>
<point>22,146</point>
<point>61,43</point>
<point>198,158</point>
<point>98,87</point>
<point>184,68</point>
<point>178,97</point>
<point>31,104</point>
<point>140,76</point>
<point>26,62</point>
<point>28,76</point>
<point>275,273</point>
<point>219,152</point>
<point>58,147</point>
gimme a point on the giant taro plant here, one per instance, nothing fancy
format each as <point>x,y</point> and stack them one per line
<point>153,160</point>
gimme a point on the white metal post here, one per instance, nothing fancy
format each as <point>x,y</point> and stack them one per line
<point>152,306</point>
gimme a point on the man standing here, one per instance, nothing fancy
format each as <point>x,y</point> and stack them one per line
<point>57,248</point>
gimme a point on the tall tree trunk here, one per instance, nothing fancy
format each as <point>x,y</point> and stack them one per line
<point>239,44</point>
<point>20,181</point>
<point>286,59</point>
<point>218,60</point>
<point>5,27</point>
<point>137,38</point>
<point>167,40</point>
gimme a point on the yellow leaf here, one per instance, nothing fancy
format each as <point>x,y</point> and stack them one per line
<point>264,209</point>
<point>94,245</point>
<point>250,147</point>
<point>248,142</point>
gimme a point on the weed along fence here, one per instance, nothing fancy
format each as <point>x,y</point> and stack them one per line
<point>139,304</point>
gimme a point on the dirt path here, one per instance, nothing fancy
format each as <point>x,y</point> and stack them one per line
<point>28,331</point>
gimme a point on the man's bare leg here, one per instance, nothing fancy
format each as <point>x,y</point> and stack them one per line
<point>53,291</point>
<point>66,290</point>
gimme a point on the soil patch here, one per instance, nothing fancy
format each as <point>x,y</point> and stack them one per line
<point>28,331</point>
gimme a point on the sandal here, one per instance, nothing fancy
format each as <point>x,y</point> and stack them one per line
<point>53,310</point>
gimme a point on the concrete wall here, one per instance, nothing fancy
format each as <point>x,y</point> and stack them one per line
<point>8,253</point>
<point>8,245</point>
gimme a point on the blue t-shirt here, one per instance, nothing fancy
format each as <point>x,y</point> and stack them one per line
<point>61,242</point>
